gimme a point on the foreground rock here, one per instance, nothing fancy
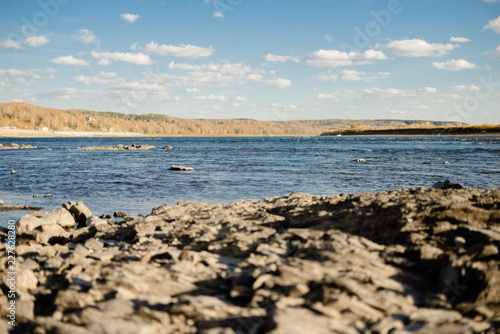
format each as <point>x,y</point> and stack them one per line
<point>119,147</point>
<point>404,261</point>
<point>14,146</point>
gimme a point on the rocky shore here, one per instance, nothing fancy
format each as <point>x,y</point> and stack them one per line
<point>14,146</point>
<point>403,261</point>
<point>119,147</point>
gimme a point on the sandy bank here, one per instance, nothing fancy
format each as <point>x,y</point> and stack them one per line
<point>35,133</point>
<point>411,260</point>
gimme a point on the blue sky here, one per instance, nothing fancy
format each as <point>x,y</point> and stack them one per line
<point>260,59</point>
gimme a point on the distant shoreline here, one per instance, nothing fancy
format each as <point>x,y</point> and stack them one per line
<point>438,131</point>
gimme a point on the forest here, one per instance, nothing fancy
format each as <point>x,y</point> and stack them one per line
<point>30,117</point>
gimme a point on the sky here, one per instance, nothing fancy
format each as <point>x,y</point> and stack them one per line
<point>258,59</point>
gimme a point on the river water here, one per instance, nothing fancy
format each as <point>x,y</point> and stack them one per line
<point>232,168</point>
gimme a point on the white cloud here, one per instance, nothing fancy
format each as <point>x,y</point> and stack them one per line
<point>461,88</point>
<point>10,44</point>
<point>212,98</point>
<point>353,75</point>
<point>280,59</point>
<point>494,54</point>
<point>70,60</point>
<point>192,90</point>
<point>329,38</point>
<point>218,15</point>
<point>131,18</point>
<point>335,58</point>
<point>14,72</point>
<point>182,51</point>
<point>416,48</point>
<point>85,36</point>
<point>86,80</point>
<point>328,77</point>
<point>135,58</point>
<point>491,1</point>
<point>493,25</point>
<point>421,107</point>
<point>239,98</point>
<point>36,41</point>
<point>208,74</point>
<point>325,97</point>
<point>379,93</point>
<point>459,39</point>
<point>454,65</point>
<point>133,47</point>
<point>278,82</point>
<point>108,74</point>
<point>104,62</point>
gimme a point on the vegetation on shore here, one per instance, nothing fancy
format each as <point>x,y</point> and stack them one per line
<point>31,117</point>
<point>425,129</point>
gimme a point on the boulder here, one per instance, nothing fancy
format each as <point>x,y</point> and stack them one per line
<point>168,147</point>
<point>59,216</point>
<point>80,211</point>
<point>447,185</point>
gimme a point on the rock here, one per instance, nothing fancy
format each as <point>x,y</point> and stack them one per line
<point>1,203</point>
<point>447,185</point>
<point>168,147</point>
<point>435,316</point>
<point>181,168</point>
<point>95,221</point>
<point>13,171</point>
<point>35,196</point>
<point>403,261</point>
<point>59,216</point>
<point>360,160</point>
<point>119,147</point>
<point>80,211</point>
<point>26,280</point>
<point>47,195</point>
<point>119,214</point>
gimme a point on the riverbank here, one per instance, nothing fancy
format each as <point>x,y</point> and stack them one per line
<point>420,260</point>
<point>17,133</point>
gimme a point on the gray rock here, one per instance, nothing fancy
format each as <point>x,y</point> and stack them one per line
<point>80,211</point>
<point>181,168</point>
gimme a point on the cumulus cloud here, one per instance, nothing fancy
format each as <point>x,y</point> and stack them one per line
<point>239,98</point>
<point>328,77</point>
<point>325,97</point>
<point>70,60</point>
<point>32,41</point>
<point>460,88</point>
<point>219,15</point>
<point>134,58</point>
<point>85,36</point>
<point>335,58</point>
<point>454,65</point>
<point>459,39</point>
<point>280,59</point>
<point>353,75</point>
<point>493,25</point>
<point>379,93</point>
<point>416,48</point>
<point>494,54</point>
<point>36,41</point>
<point>278,82</point>
<point>9,43</point>
<point>212,98</point>
<point>131,18</point>
<point>182,51</point>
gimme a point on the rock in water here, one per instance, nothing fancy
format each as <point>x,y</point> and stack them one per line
<point>447,185</point>
<point>181,168</point>
<point>168,147</point>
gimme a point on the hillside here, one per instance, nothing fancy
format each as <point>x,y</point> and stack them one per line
<point>31,117</point>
